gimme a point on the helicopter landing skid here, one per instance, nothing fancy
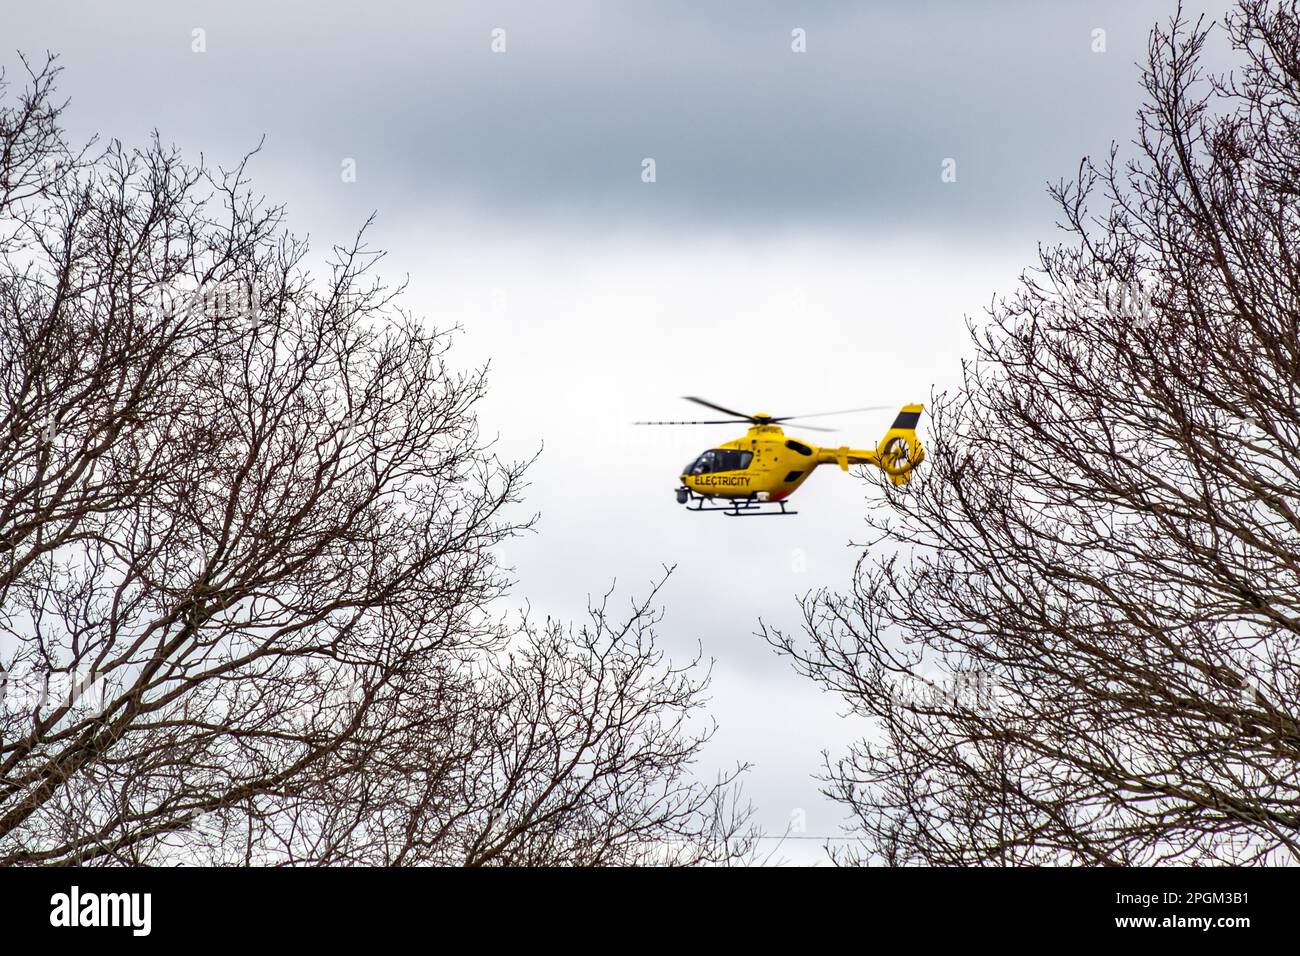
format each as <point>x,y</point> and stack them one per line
<point>738,507</point>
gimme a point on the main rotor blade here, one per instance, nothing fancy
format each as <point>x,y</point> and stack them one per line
<point>813,428</point>
<point>843,411</point>
<point>722,421</point>
<point>719,408</point>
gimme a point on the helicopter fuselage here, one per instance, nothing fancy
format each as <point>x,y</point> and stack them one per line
<point>765,464</point>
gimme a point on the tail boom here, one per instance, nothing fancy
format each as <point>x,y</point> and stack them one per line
<point>897,454</point>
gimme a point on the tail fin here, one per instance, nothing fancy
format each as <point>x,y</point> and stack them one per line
<point>900,450</point>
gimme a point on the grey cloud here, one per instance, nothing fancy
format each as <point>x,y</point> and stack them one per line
<point>744,132</point>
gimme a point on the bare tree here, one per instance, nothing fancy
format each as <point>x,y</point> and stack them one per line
<point>247,573</point>
<point>1077,639</point>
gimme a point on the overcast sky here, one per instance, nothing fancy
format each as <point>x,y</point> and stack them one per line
<point>798,249</point>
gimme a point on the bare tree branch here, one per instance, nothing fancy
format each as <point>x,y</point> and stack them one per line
<point>1079,639</point>
<point>248,526</point>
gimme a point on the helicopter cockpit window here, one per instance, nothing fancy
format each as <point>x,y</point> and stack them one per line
<point>719,459</point>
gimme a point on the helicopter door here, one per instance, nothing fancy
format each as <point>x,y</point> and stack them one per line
<point>732,460</point>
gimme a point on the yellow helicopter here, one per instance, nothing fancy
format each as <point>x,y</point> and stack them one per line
<point>749,475</point>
